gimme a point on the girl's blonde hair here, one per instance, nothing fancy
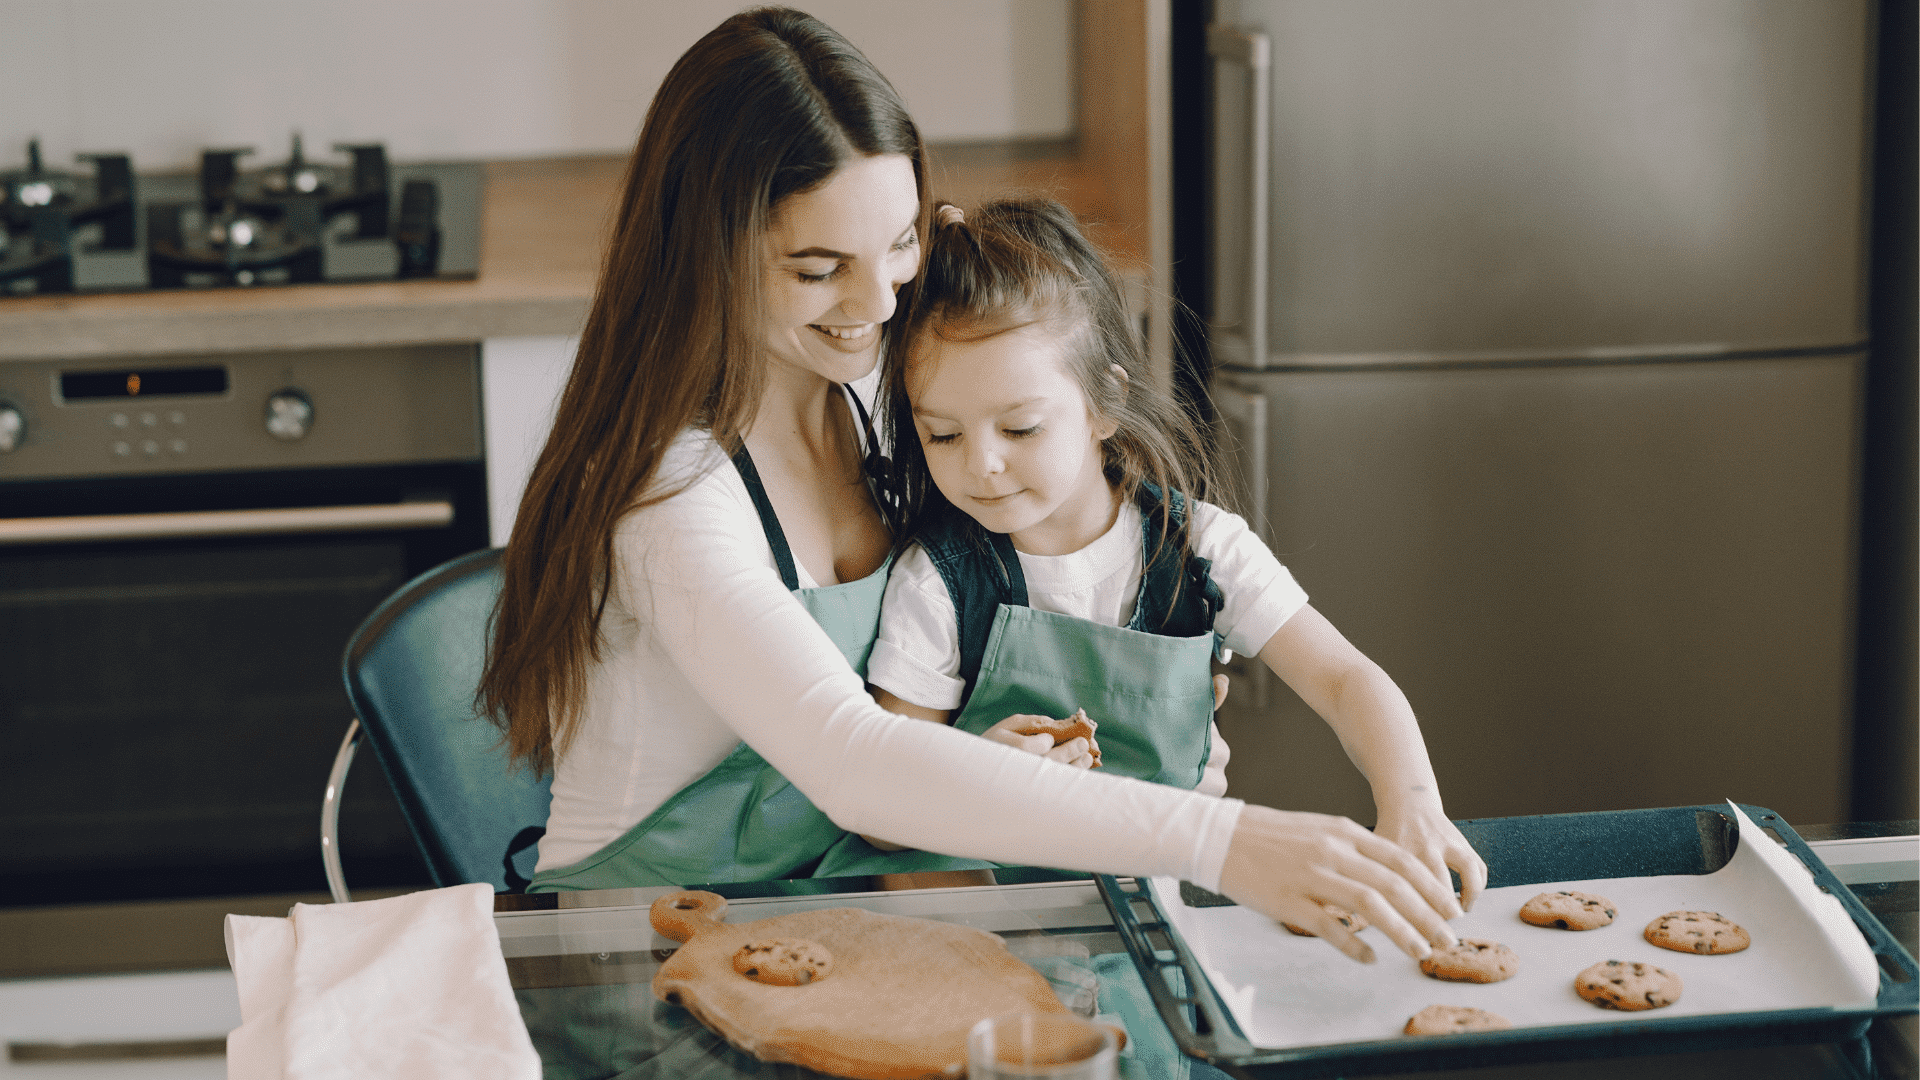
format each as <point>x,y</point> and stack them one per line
<point>1020,262</point>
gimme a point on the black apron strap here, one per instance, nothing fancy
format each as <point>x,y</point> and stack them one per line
<point>1178,597</point>
<point>981,571</point>
<point>874,465</point>
<point>776,536</point>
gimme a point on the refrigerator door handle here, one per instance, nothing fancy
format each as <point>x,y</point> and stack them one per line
<point>1238,327</point>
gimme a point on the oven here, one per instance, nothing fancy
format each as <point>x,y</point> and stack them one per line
<point>186,543</point>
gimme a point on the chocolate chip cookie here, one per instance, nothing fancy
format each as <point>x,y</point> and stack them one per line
<point>1472,960</point>
<point>1454,1020</point>
<point>1568,911</point>
<point>783,963</point>
<point>1628,985</point>
<point>1706,932</point>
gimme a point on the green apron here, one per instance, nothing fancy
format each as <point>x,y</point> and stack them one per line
<point>741,821</point>
<point>1149,684</point>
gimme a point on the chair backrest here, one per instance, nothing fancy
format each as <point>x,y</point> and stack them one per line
<point>411,670</point>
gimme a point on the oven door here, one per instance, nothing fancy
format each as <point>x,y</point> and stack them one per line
<point>170,690</point>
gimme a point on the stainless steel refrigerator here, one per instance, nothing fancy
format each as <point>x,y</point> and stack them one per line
<point>1538,331</point>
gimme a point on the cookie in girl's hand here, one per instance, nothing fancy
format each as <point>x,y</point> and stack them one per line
<point>1065,730</point>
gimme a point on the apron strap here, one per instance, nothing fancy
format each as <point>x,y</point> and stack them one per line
<point>1178,596</point>
<point>981,571</point>
<point>769,523</point>
<point>873,465</point>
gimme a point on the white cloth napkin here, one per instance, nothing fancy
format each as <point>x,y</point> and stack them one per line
<point>409,986</point>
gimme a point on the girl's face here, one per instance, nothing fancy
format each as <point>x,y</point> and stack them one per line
<point>835,255</point>
<point>1010,439</point>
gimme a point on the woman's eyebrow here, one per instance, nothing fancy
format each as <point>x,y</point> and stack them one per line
<point>818,253</point>
<point>829,253</point>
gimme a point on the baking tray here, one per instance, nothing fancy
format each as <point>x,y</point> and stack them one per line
<point>1525,851</point>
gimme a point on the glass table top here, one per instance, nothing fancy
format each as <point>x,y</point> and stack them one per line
<point>581,965</point>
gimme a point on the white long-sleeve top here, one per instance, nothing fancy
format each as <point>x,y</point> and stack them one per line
<point>703,647</point>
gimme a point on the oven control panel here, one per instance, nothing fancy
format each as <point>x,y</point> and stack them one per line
<point>294,409</point>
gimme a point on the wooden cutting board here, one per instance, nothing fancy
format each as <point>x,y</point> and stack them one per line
<point>895,1002</point>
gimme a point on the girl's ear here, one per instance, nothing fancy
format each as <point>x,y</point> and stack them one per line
<point>1104,428</point>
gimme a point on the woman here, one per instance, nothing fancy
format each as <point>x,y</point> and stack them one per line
<point>694,579</point>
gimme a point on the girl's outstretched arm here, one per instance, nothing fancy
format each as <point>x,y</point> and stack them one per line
<point>1377,729</point>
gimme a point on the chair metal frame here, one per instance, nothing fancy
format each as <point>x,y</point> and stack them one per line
<point>330,813</point>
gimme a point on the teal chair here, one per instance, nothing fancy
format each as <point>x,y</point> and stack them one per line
<point>411,670</point>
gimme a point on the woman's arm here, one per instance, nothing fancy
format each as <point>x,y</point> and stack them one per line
<point>694,569</point>
<point>1377,729</point>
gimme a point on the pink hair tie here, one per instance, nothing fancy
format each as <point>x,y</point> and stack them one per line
<point>951,215</point>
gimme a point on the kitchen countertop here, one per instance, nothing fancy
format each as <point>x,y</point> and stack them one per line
<point>542,229</point>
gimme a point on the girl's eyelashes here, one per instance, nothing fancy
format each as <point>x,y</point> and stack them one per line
<point>934,439</point>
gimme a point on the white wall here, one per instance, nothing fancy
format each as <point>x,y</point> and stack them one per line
<point>468,78</point>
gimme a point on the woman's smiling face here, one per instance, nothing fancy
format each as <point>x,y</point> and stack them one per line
<point>836,254</point>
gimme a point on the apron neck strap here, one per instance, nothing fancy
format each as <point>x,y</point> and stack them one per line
<point>769,523</point>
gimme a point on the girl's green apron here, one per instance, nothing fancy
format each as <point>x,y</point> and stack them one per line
<point>742,821</point>
<point>1149,684</point>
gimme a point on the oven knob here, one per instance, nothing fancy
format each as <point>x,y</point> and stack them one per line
<point>13,428</point>
<point>289,415</point>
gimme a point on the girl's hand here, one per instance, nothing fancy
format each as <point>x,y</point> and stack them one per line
<point>1077,752</point>
<point>1421,827</point>
<point>1285,865</point>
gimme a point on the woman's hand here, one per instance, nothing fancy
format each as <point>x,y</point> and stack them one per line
<point>1285,865</point>
<point>1077,752</point>
<point>1419,825</point>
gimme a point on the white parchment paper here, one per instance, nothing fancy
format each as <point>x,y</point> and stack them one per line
<point>1287,991</point>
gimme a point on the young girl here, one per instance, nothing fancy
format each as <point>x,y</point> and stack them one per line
<point>1062,555</point>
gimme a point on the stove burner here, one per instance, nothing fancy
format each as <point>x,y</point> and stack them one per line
<point>42,208</point>
<point>293,222</point>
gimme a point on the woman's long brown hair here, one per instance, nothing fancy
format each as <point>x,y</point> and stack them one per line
<point>767,105</point>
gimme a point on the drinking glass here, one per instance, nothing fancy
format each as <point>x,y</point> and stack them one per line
<point>1041,1046</point>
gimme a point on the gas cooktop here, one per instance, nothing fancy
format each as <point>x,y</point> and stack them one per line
<point>354,218</point>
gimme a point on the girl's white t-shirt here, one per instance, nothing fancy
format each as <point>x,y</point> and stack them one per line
<point>917,657</point>
<point>702,646</point>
